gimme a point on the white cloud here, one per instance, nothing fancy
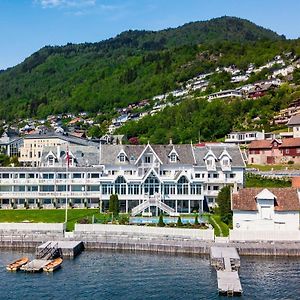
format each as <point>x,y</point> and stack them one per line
<point>65,3</point>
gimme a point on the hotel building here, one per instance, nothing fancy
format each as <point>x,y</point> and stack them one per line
<point>147,178</point>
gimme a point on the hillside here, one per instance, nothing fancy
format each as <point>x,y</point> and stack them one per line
<point>132,66</point>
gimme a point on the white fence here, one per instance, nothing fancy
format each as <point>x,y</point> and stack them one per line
<point>32,227</point>
<point>104,229</point>
<point>257,236</point>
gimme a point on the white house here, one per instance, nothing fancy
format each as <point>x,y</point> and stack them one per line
<point>265,214</point>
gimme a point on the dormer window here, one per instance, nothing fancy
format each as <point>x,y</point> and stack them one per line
<point>122,157</point>
<point>51,161</point>
<point>226,162</point>
<point>147,159</point>
<point>210,162</point>
<point>173,157</point>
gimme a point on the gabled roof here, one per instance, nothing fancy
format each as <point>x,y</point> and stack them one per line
<point>294,120</point>
<point>260,144</point>
<point>286,199</point>
<point>266,195</point>
<point>151,149</point>
<point>200,151</point>
<point>210,153</point>
<point>290,143</point>
<point>225,153</point>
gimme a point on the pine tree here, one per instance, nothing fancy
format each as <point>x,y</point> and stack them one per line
<point>179,222</point>
<point>161,221</point>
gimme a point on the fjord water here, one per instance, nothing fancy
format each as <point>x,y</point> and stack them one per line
<point>128,275</point>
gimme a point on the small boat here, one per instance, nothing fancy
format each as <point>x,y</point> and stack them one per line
<point>53,265</point>
<point>16,265</point>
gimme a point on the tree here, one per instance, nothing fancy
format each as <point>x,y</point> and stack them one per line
<point>161,221</point>
<point>114,206</point>
<point>224,204</point>
<point>196,220</point>
<point>179,222</point>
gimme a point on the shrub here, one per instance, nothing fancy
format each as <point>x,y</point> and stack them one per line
<point>114,206</point>
<point>161,221</point>
<point>179,222</point>
<point>290,162</point>
<point>123,219</point>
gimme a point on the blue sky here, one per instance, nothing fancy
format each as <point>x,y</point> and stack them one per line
<point>28,25</point>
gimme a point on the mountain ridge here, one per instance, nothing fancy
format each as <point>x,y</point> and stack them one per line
<point>103,75</point>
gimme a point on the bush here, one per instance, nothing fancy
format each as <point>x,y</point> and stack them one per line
<point>123,219</point>
<point>161,221</point>
<point>290,162</point>
<point>179,222</point>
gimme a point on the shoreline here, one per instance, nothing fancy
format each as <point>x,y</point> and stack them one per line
<point>278,249</point>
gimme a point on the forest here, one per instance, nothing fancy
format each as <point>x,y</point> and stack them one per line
<point>135,65</point>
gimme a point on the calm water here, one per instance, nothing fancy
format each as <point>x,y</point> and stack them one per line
<point>126,275</point>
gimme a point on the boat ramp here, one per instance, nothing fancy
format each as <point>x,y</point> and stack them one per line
<point>226,261</point>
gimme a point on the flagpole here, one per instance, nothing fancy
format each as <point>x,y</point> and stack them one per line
<point>67,175</point>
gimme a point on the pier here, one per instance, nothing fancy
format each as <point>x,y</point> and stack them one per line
<point>226,261</point>
<point>68,249</point>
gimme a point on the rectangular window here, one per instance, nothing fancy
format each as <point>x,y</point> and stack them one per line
<point>215,175</point>
<point>77,175</point>
<point>232,175</point>
<point>22,175</point>
<point>95,175</point>
<point>287,151</point>
<point>215,187</point>
<point>197,175</point>
<point>196,189</point>
<point>147,159</point>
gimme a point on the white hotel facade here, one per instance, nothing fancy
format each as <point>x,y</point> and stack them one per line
<point>147,178</point>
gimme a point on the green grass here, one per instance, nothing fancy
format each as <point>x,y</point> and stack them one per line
<point>220,228</point>
<point>253,180</point>
<point>275,167</point>
<point>50,216</point>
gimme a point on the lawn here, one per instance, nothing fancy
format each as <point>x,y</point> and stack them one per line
<point>257,181</point>
<point>266,168</point>
<point>50,216</point>
<point>220,228</point>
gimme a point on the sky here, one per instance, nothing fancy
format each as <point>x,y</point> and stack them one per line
<point>28,25</point>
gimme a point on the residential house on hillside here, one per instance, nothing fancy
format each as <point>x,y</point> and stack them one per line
<point>275,151</point>
<point>294,123</point>
<point>285,114</point>
<point>225,94</point>
<point>263,152</point>
<point>244,137</point>
<point>257,210</point>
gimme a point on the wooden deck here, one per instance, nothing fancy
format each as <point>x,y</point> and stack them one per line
<point>35,265</point>
<point>226,261</point>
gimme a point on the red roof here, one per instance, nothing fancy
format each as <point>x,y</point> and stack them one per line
<point>290,143</point>
<point>261,144</point>
<point>286,199</point>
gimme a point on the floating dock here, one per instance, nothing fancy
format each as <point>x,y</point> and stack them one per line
<point>34,266</point>
<point>226,261</point>
<point>68,249</point>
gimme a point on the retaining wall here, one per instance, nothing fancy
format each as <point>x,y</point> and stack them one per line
<point>105,229</point>
<point>33,227</point>
<point>262,236</point>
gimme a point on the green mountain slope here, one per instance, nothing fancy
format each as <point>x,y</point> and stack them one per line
<point>132,66</point>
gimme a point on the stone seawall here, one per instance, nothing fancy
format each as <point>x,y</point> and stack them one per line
<point>153,244</point>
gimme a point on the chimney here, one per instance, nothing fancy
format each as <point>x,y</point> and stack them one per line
<point>170,141</point>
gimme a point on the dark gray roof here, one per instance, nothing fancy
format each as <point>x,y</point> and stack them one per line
<point>85,156</point>
<point>109,153</point>
<point>48,169</point>
<point>294,120</point>
<point>217,149</point>
<point>68,138</point>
